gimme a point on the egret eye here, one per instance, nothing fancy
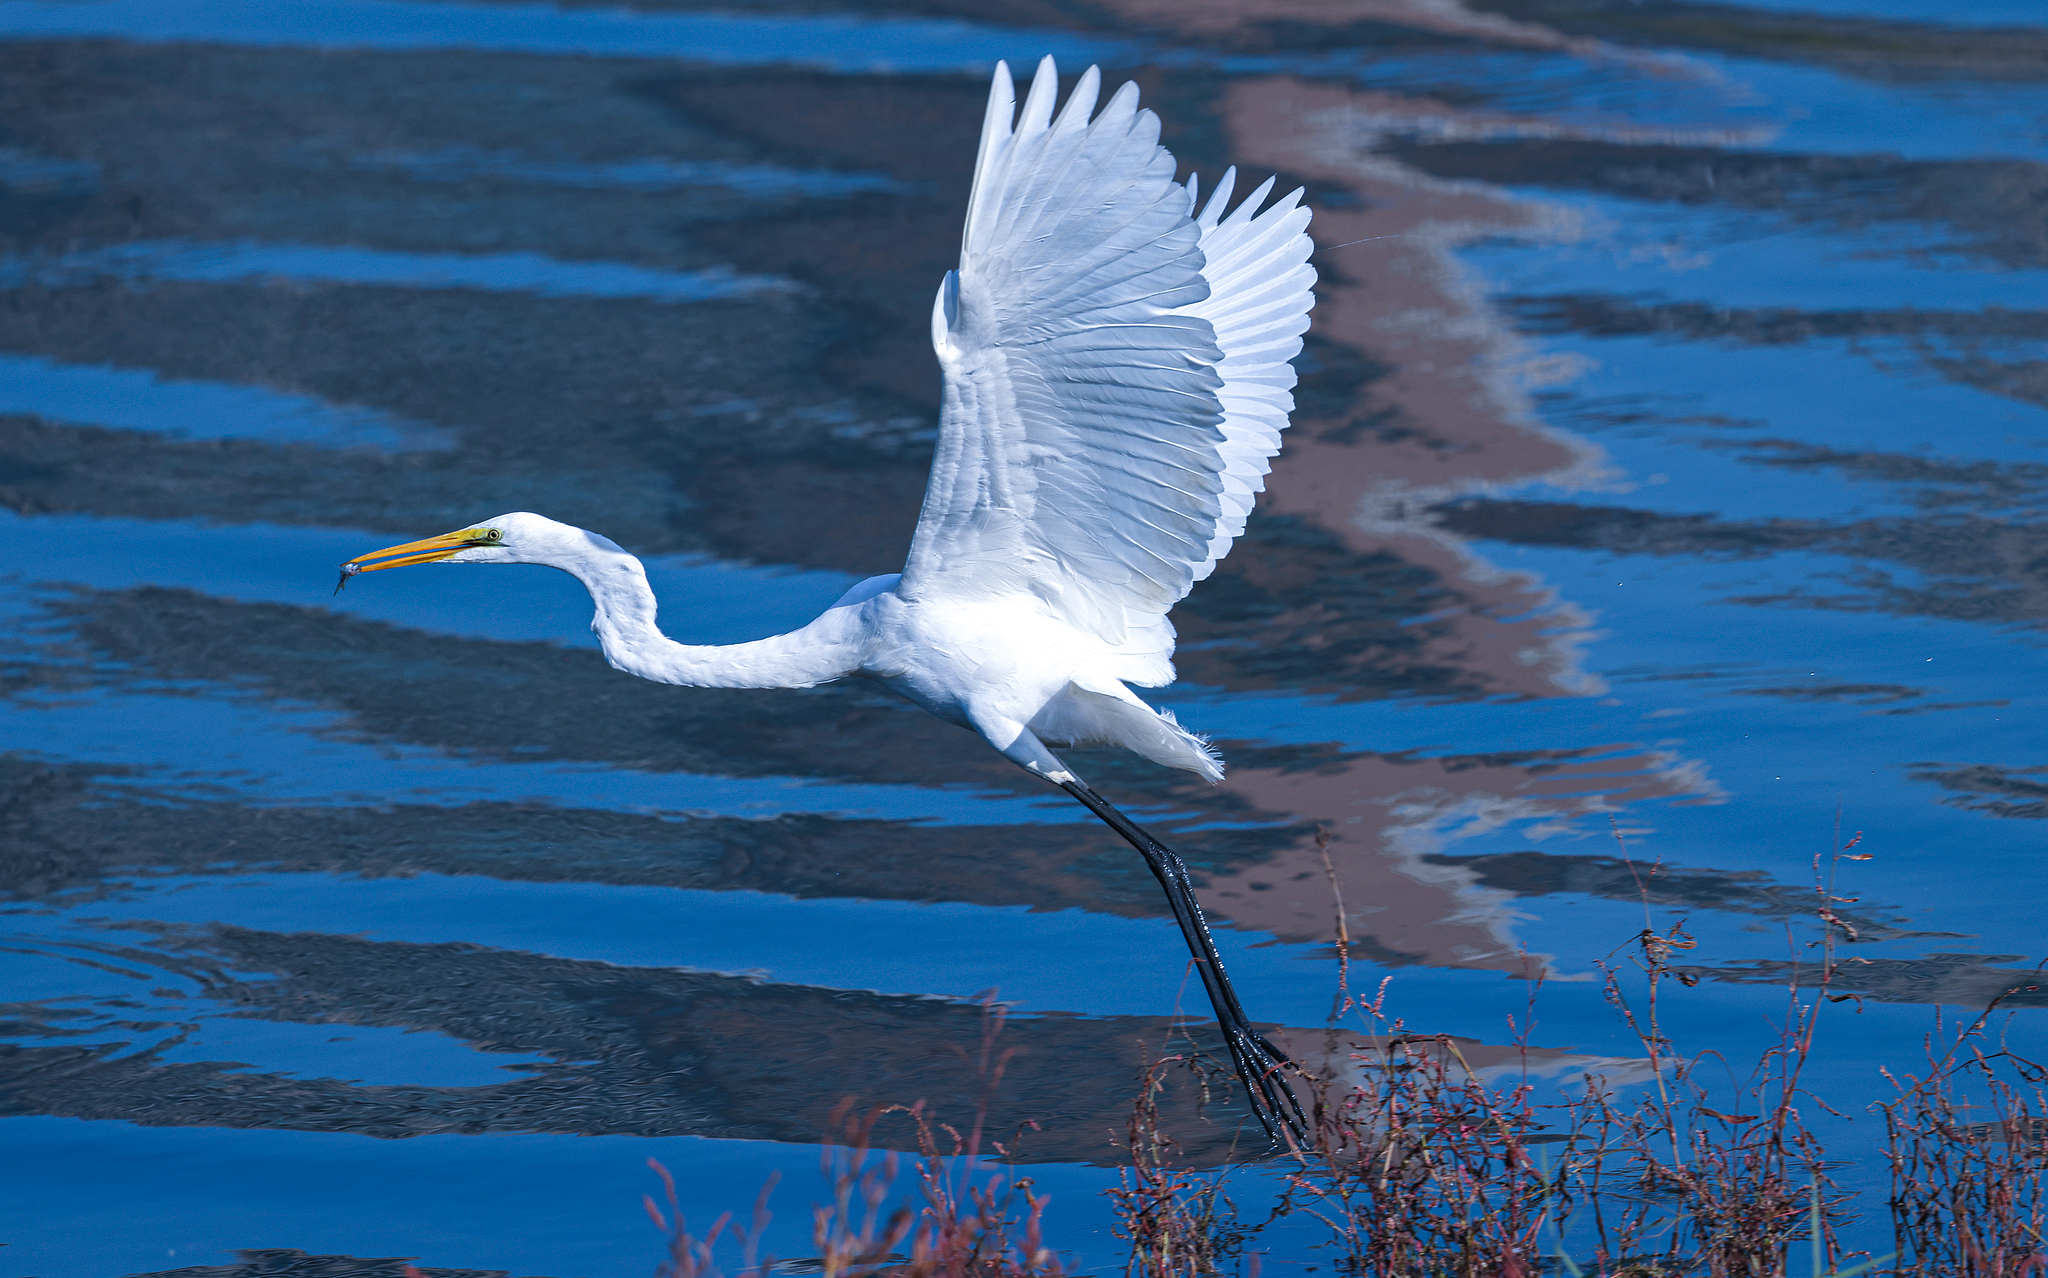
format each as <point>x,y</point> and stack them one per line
<point>488,536</point>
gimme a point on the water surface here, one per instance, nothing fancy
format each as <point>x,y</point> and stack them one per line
<point>1666,490</point>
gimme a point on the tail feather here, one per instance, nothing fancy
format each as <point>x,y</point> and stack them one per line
<point>1086,716</point>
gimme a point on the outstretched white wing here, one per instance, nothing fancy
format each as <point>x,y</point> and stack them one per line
<point>1111,395</point>
<point>1260,290</point>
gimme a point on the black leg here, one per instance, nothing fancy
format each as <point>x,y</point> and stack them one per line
<point>1259,1063</point>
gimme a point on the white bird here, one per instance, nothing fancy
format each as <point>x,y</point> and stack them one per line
<point>1116,378</point>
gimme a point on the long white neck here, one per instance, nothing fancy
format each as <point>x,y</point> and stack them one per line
<point>828,648</point>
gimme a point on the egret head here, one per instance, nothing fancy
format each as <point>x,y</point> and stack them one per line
<point>517,538</point>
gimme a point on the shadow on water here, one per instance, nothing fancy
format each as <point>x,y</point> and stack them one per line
<point>1666,479</point>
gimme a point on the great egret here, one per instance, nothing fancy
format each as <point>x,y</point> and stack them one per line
<point>1116,377</point>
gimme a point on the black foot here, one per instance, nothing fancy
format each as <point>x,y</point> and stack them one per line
<point>1263,1068</point>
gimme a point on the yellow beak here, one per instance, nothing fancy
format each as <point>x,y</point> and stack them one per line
<point>424,551</point>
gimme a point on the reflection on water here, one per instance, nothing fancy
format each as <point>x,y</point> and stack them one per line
<point>1667,479</point>
<point>461,164</point>
<point>849,43</point>
<point>137,399</point>
<point>34,174</point>
<point>504,272</point>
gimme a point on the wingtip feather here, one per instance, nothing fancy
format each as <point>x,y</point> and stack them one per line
<point>1249,206</point>
<point>1122,105</point>
<point>1081,102</point>
<point>1002,103</point>
<point>1045,83</point>
<point>1218,198</point>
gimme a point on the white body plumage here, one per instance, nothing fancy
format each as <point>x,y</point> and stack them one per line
<point>1004,666</point>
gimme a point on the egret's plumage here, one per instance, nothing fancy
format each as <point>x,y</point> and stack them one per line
<point>1116,378</point>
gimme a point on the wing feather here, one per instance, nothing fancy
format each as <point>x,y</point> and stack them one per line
<point>1261,289</point>
<point>1116,368</point>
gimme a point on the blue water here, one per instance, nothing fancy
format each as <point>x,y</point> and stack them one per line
<point>1876,399</point>
<point>439,1197</point>
<point>1696,734</point>
<point>1750,259</point>
<point>838,43</point>
<point>494,272</point>
<point>184,408</point>
<point>1989,13</point>
<point>709,601</point>
<point>1688,97</point>
<point>464,164</point>
<point>69,969</point>
<point>1754,99</point>
<point>34,174</point>
<point>266,754</point>
<point>944,948</point>
<point>1937,119</point>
